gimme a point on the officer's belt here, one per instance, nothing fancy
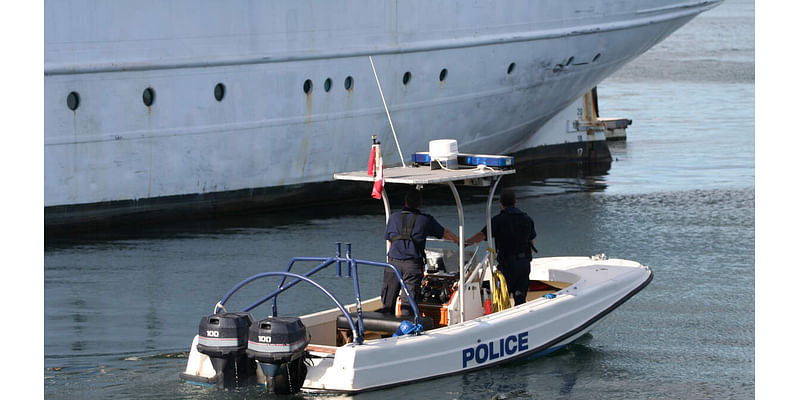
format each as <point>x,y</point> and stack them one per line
<point>415,260</point>
<point>517,256</point>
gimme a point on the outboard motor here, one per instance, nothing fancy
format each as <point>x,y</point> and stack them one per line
<point>223,338</point>
<point>279,344</point>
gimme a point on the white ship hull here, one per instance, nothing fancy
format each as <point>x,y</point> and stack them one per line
<point>510,66</point>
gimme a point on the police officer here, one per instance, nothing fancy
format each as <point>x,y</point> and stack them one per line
<point>514,236</point>
<point>407,231</point>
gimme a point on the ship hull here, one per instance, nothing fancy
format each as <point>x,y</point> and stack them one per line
<point>279,127</point>
<point>533,164</point>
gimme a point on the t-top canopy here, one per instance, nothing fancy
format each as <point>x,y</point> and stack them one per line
<point>424,175</point>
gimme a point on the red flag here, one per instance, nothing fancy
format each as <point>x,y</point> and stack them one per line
<point>377,187</point>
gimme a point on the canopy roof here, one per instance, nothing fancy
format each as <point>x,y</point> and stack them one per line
<point>424,175</point>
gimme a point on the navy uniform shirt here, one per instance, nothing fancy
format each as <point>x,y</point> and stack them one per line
<point>424,226</point>
<point>513,231</point>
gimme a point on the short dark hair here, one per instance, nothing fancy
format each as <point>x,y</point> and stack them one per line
<point>413,198</point>
<point>508,198</point>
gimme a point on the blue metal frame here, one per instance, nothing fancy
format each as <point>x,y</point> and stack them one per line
<point>352,270</point>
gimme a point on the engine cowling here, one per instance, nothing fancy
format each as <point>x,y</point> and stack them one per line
<point>277,340</point>
<point>279,345</point>
<point>223,338</point>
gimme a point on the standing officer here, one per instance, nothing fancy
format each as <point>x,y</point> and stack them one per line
<point>514,236</point>
<point>407,231</point>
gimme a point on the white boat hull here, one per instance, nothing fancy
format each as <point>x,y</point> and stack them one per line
<point>535,328</point>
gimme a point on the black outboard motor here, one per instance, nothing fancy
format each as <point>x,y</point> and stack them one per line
<point>223,337</point>
<point>279,345</point>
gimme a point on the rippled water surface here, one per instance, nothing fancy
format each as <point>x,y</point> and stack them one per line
<point>120,310</point>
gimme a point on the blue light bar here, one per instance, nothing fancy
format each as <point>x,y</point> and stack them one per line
<point>424,158</point>
<point>421,158</point>
<point>488,160</point>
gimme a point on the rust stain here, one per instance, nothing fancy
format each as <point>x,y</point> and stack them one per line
<point>303,155</point>
<point>150,151</point>
<point>309,108</point>
<point>349,100</point>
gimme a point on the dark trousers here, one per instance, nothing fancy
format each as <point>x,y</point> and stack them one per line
<point>411,271</point>
<point>516,272</point>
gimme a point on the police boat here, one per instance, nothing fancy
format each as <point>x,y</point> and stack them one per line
<point>463,322</point>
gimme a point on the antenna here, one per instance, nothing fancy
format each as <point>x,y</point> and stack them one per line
<point>387,112</point>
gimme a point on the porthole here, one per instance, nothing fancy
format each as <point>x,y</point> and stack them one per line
<point>328,84</point>
<point>348,83</point>
<point>73,100</point>
<point>406,78</point>
<point>596,56</point>
<point>511,68</point>
<point>443,75</point>
<point>149,96</point>
<point>219,92</point>
<point>308,86</point>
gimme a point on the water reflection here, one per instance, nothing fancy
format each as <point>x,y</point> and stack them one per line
<point>154,326</point>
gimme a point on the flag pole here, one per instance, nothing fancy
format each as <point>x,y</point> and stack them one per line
<point>387,111</point>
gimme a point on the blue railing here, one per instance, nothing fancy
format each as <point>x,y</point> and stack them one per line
<point>352,271</point>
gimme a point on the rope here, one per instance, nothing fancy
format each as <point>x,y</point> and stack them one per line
<point>500,300</point>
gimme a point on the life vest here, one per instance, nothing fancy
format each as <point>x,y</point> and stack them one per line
<point>405,231</point>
